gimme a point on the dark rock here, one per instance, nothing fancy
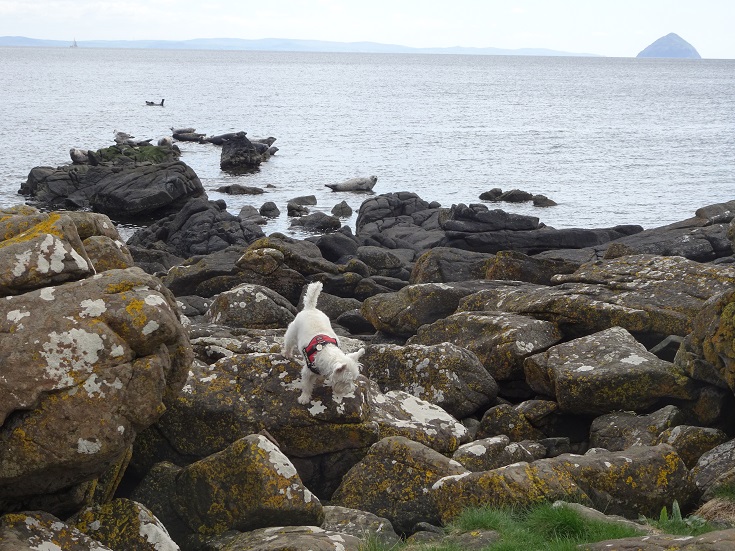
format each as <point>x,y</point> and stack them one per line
<point>515,196</point>
<point>294,209</point>
<point>543,201</point>
<point>270,210</point>
<point>317,222</point>
<point>250,215</point>
<point>516,266</point>
<point>337,245</point>
<point>444,265</point>
<point>304,200</point>
<point>342,209</point>
<point>620,430</point>
<point>201,227</point>
<point>355,322</point>
<point>129,192</point>
<point>237,189</point>
<point>491,195</point>
<point>239,154</point>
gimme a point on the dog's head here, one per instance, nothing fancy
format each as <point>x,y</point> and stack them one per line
<point>345,372</point>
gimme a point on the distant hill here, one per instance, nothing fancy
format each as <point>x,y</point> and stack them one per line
<point>276,45</point>
<point>671,45</point>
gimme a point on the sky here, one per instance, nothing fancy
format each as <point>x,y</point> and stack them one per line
<point>613,28</point>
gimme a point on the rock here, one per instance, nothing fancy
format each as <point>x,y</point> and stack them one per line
<point>355,184</point>
<point>317,222</point>
<point>717,511</point>
<point>478,218</point>
<point>251,306</point>
<point>620,430</point>
<point>648,295</point>
<point>337,245</point>
<point>491,195</point>
<point>401,414</point>
<point>505,419</point>
<point>399,220</point>
<point>501,341</point>
<point>295,209</point>
<point>494,452</point>
<point>107,254</point>
<point>202,227</point>
<point>444,374</point>
<point>604,372</point>
<point>723,539</point>
<point>39,250</point>
<point>153,261</point>
<point>250,215</point>
<point>638,481</point>
<point>129,192</point>
<point>692,442</point>
<point>359,524</point>
<point>124,524</point>
<point>284,538</point>
<point>257,482</point>
<point>715,468</point>
<point>237,189</point>
<point>270,210</point>
<point>355,322</point>
<point>671,45</point>
<point>516,266</point>
<point>444,265</point>
<point>304,200</point>
<point>708,352</point>
<point>342,209</point>
<point>382,262</point>
<point>221,271</point>
<point>392,481</point>
<point>220,138</point>
<point>543,201</point>
<point>105,348</point>
<point>239,154</point>
<point>515,196</point>
<point>302,256</point>
<point>32,531</point>
<point>402,313</point>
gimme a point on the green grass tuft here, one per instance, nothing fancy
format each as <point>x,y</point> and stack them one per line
<point>726,491</point>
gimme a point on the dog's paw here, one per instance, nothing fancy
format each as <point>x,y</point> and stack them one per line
<point>304,399</point>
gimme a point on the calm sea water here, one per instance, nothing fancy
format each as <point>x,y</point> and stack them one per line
<point>613,141</point>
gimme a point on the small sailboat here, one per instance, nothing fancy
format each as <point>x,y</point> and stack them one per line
<point>74,44</point>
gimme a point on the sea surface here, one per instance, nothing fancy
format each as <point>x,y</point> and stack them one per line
<point>611,140</point>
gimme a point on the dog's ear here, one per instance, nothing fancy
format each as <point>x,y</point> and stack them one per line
<point>357,355</point>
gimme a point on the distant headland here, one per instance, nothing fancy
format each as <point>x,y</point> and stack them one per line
<point>278,45</point>
<point>670,46</point>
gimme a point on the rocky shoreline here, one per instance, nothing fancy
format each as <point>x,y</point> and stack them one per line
<point>145,403</point>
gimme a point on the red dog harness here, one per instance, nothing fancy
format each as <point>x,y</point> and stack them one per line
<point>315,345</point>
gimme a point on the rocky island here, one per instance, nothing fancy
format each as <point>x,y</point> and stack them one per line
<point>145,403</point>
<point>671,46</point>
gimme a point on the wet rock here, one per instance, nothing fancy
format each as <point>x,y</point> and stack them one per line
<point>239,154</point>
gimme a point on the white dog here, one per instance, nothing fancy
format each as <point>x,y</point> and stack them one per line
<point>311,334</point>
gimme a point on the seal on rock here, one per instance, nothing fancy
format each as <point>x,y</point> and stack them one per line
<point>355,184</point>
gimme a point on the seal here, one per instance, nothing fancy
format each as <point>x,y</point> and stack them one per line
<point>355,184</point>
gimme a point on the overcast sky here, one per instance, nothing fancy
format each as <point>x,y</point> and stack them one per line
<point>616,28</point>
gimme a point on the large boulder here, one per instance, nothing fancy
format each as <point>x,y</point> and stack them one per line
<point>122,192</point>
<point>200,228</point>
<point>221,271</point>
<point>708,352</point>
<point>39,250</point>
<point>638,481</point>
<point>250,484</point>
<point>444,264</point>
<point>251,306</point>
<point>35,530</point>
<point>87,365</point>
<point>500,340</point>
<point>620,430</point>
<point>604,372</point>
<point>443,374</point>
<point>402,313</point>
<point>392,481</point>
<point>650,296</point>
<point>712,541</point>
<point>239,154</point>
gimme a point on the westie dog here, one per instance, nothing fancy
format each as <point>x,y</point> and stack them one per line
<point>311,334</point>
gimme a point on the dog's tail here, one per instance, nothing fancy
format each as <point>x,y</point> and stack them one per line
<point>312,294</point>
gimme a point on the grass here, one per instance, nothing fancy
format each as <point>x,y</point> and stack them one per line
<point>726,491</point>
<point>550,528</point>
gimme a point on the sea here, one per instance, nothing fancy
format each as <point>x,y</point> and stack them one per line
<point>610,140</point>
